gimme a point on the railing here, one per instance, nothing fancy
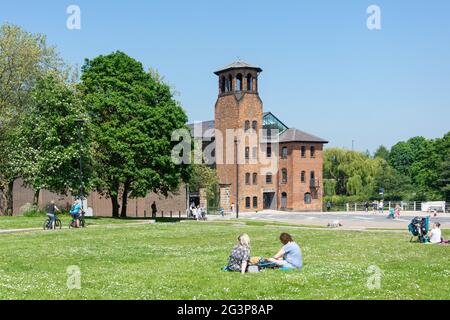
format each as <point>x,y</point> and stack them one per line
<point>409,206</point>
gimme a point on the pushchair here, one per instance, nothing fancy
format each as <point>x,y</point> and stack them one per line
<point>419,228</point>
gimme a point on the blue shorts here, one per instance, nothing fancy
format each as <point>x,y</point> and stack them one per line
<point>286,265</point>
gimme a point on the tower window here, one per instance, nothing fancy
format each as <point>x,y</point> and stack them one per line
<point>254,125</point>
<point>247,125</point>
<point>223,85</point>
<point>247,153</point>
<point>269,151</point>
<point>313,151</point>
<point>239,86</point>
<point>249,82</point>
<point>255,178</point>
<point>284,153</point>
<point>230,83</point>
<point>284,176</point>
<point>303,151</point>
<point>303,176</point>
<point>269,178</point>
<point>255,202</point>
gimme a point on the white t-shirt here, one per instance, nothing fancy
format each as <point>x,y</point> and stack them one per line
<point>435,235</point>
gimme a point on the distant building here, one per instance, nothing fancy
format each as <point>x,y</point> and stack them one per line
<point>297,181</point>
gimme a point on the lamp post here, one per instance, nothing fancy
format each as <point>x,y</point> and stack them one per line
<point>237,177</point>
<point>80,123</point>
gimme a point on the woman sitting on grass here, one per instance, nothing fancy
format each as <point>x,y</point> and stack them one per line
<point>240,255</point>
<point>290,255</point>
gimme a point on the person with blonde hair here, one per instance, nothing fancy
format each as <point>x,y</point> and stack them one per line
<point>240,255</point>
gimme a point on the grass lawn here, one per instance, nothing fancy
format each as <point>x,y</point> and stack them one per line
<point>184,261</point>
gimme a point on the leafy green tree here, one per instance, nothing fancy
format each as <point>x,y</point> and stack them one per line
<point>204,177</point>
<point>50,129</point>
<point>133,115</point>
<point>382,152</point>
<point>24,57</point>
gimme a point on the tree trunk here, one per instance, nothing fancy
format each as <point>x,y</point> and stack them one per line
<point>115,206</point>
<point>10,199</point>
<point>36,197</point>
<point>126,187</point>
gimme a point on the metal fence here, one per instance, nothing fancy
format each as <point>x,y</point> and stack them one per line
<point>412,206</point>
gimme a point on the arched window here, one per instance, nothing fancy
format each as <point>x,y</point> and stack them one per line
<point>247,125</point>
<point>284,176</point>
<point>239,84</point>
<point>247,153</point>
<point>249,82</point>
<point>254,125</point>
<point>230,83</point>
<point>255,178</point>
<point>284,200</point>
<point>284,153</point>
<point>269,178</point>
<point>307,198</point>
<point>313,151</point>
<point>303,151</point>
<point>303,176</point>
<point>255,202</point>
<point>223,85</point>
<point>247,178</point>
<point>247,202</point>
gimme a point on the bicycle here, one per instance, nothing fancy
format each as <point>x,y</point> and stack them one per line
<point>80,218</point>
<point>48,224</point>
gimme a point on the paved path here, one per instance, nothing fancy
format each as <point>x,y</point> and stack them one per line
<point>115,225</point>
<point>357,220</point>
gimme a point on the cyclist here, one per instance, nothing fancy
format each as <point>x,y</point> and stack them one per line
<point>75,212</point>
<point>51,213</point>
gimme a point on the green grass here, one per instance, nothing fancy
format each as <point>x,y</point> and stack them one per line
<point>21,222</point>
<point>184,261</point>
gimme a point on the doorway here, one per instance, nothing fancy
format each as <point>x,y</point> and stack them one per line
<point>269,201</point>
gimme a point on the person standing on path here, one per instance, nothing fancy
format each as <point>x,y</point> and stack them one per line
<point>154,209</point>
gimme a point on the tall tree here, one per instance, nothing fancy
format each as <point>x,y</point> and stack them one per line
<point>24,57</point>
<point>51,132</point>
<point>133,115</point>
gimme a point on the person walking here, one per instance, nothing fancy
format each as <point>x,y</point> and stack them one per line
<point>154,209</point>
<point>381,206</point>
<point>366,206</point>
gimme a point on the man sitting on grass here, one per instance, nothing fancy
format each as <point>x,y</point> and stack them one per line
<point>290,255</point>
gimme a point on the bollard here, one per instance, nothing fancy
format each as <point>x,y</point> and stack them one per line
<point>179,213</point>
<point>162,214</point>
<point>171,213</point>
<point>145,213</point>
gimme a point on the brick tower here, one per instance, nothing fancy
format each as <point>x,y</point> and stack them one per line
<point>238,107</point>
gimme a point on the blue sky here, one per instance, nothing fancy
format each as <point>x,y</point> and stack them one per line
<point>324,71</point>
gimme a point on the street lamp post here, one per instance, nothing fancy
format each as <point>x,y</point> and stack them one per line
<point>80,123</point>
<point>237,177</point>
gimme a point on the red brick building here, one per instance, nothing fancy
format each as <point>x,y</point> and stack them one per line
<point>275,167</point>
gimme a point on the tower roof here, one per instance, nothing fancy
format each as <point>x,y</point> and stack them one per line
<point>238,64</point>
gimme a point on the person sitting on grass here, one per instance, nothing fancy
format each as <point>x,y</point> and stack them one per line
<point>240,255</point>
<point>290,255</point>
<point>436,234</point>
